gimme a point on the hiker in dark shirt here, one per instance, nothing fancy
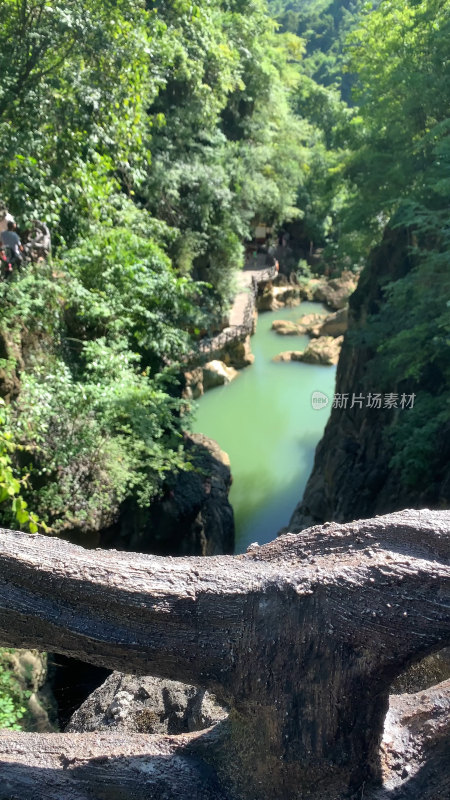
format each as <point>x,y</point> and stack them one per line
<point>11,244</point>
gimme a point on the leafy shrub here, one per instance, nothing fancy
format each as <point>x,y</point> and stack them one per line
<point>12,696</point>
<point>11,486</point>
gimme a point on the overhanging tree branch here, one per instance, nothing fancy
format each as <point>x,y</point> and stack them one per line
<point>301,637</point>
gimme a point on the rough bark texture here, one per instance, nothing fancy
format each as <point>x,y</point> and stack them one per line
<point>301,638</point>
<point>83,766</point>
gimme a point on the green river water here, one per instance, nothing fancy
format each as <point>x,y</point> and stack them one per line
<point>264,420</point>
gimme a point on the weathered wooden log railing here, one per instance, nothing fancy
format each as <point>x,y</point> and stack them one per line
<point>301,638</point>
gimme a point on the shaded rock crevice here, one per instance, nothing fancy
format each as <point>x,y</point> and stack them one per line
<point>146,705</point>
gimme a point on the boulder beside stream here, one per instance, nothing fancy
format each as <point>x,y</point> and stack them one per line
<point>334,292</point>
<point>274,297</point>
<point>238,353</point>
<point>198,380</point>
<point>302,327</point>
<point>335,324</point>
<point>323,351</point>
<point>314,325</point>
<point>216,373</point>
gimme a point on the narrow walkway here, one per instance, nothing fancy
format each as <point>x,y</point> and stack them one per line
<point>241,301</point>
<point>241,315</point>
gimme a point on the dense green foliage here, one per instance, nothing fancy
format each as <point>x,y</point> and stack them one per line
<point>11,483</point>
<point>182,108</point>
<point>384,161</point>
<point>324,25</point>
<point>12,695</point>
<point>225,146</point>
<point>149,137</point>
<point>400,174</point>
<point>324,189</point>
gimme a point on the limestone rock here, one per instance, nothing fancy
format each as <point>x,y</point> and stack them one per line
<point>285,327</point>
<point>308,325</point>
<point>287,295</point>
<point>238,354</point>
<point>193,384</point>
<point>324,351</point>
<point>146,705</point>
<point>289,355</point>
<point>310,321</point>
<point>274,297</point>
<point>216,373</point>
<point>335,324</point>
<point>336,291</point>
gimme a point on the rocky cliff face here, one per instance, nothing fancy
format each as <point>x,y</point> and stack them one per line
<point>193,518</point>
<point>352,477</point>
<point>11,360</point>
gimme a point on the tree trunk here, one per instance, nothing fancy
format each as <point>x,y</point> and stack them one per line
<point>301,638</point>
<point>82,766</point>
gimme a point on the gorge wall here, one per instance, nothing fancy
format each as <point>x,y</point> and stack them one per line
<point>353,476</point>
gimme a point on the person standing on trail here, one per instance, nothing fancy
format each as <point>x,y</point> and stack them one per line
<point>11,241</point>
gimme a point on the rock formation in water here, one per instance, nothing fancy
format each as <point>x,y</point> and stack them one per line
<point>335,291</point>
<point>273,296</point>
<point>216,373</point>
<point>198,380</point>
<point>303,327</point>
<point>334,324</point>
<point>314,325</point>
<point>323,351</point>
<point>238,354</point>
<point>352,475</point>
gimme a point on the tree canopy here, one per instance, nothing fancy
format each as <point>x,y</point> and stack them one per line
<point>149,137</point>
